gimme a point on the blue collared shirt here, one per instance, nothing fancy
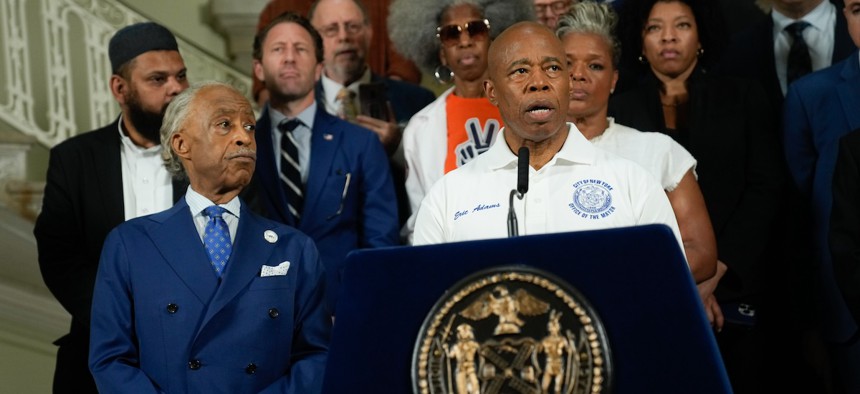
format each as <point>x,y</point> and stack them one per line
<point>302,134</point>
<point>197,203</point>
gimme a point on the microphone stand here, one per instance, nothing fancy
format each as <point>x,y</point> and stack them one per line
<point>520,191</point>
<point>513,226</point>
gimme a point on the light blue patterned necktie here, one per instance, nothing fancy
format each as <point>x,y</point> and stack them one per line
<point>216,238</point>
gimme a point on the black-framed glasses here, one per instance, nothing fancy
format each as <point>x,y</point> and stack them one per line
<point>557,7</point>
<point>449,35</point>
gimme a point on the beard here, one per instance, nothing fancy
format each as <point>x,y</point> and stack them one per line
<point>349,70</point>
<point>286,92</point>
<point>147,123</point>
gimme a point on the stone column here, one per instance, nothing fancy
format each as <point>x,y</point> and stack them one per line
<point>237,20</point>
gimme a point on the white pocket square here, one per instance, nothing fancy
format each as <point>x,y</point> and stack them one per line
<point>280,270</point>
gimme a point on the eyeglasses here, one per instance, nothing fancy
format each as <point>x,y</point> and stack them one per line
<point>351,28</point>
<point>449,35</point>
<point>557,7</point>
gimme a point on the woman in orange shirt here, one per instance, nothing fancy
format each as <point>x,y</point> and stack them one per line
<point>452,43</point>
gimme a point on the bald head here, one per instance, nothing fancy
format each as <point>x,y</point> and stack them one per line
<point>518,35</point>
<point>529,82</point>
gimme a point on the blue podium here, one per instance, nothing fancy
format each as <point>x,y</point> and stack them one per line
<point>635,278</point>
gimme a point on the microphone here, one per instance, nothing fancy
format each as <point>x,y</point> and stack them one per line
<point>522,172</point>
<point>520,191</point>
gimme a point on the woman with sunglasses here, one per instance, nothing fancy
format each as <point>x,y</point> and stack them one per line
<point>449,39</point>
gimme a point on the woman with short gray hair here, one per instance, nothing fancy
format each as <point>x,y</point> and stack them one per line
<point>593,53</point>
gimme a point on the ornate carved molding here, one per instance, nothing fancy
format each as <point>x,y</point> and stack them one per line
<point>56,70</point>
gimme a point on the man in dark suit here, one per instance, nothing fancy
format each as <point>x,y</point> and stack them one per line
<point>96,180</point>
<point>240,312</point>
<point>761,52</point>
<point>323,175</point>
<point>347,33</point>
<point>845,221</point>
<point>819,109</point>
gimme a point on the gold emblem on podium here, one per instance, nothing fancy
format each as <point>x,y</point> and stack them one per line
<point>511,329</point>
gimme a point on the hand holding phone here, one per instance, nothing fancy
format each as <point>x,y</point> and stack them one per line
<point>373,99</point>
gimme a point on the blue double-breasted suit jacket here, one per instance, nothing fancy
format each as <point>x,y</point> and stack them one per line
<point>161,322</point>
<point>349,196</point>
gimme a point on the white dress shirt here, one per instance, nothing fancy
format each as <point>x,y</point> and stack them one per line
<point>147,187</point>
<point>819,37</point>
<point>332,88</point>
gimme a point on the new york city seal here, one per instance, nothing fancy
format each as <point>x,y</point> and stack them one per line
<point>511,329</point>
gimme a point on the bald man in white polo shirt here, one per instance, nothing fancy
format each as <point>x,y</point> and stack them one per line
<point>573,185</point>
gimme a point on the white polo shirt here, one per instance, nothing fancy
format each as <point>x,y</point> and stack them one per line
<point>581,188</point>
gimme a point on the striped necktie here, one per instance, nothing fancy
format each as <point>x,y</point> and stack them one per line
<point>291,174</point>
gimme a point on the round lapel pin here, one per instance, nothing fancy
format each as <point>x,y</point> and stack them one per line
<point>270,236</point>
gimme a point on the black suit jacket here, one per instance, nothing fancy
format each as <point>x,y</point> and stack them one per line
<point>845,221</point>
<point>750,54</point>
<point>739,168</point>
<point>83,201</point>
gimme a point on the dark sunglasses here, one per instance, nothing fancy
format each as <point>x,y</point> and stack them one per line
<point>450,34</point>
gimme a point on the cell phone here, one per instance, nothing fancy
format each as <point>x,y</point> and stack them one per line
<point>739,314</point>
<point>373,99</point>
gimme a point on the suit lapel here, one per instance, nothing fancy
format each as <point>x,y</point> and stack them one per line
<point>267,171</point>
<point>325,139</point>
<point>179,243</point>
<point>849,94</point>
<point>842,44</point>
<point>771,82</point>
<point>250,252</point>
<point>108,169</point>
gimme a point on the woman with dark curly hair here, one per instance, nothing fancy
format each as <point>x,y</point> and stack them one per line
<point>450,39</point>
<point>727,125</point>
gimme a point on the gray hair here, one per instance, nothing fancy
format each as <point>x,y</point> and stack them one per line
<point>589,17</point>
<point>174,119</point>
<point>412,24</point>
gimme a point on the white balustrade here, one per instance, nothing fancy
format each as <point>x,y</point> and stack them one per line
<point>54,68</point>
